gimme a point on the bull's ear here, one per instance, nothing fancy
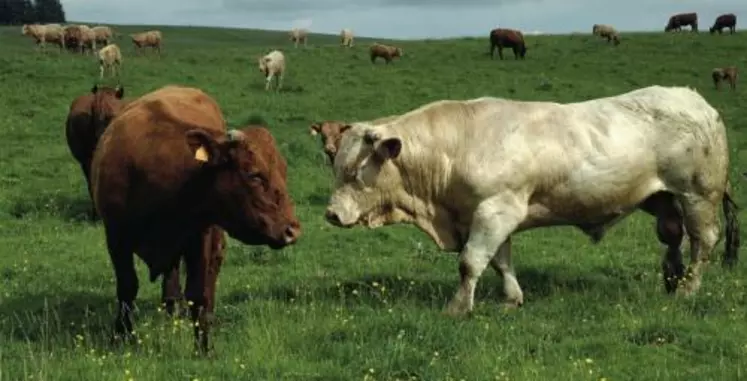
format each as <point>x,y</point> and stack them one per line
<point>120,92</point>
<point>315,128</point>
<point>94,89</point>
<point>204,147</point>
<point>345,128</point>
<point>389,148</point>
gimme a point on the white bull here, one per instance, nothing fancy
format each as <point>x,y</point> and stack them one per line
<point>471,173</point>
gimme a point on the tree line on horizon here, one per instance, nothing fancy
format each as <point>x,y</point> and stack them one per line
<point>18,12</point>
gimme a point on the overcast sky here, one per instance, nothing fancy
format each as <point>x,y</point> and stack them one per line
<point>403,18</point>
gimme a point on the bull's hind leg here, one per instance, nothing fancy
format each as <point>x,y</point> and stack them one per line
<point>123,260</point>
<point>494,221</point>
<point>501,263</point>
<point>171,294</point>
<point>702,225</point>
<point>669,231</point>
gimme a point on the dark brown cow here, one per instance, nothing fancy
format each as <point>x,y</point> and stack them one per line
<point>164,173</point>
<point>728,20</point>
<point>384,51</point>
<point>676,22</point>
<point>728,73</point>
<point>87,118</point>
<point>507,38</point>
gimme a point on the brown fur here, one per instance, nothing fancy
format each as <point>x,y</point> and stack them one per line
<point>88,117</point>
<point>151,38</point>
<point>331,132</point>
<point>606,31</point>
<point>729,74</point>
<point>728,20</point>
<point>507,38</point>
<point>676,22</point>
<point>385,51</point>
<point>80,38</point>
<point>164,173</point>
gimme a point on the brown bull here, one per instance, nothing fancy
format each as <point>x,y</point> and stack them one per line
<point>165,172</point>
<point>728,20</point>
<point>87,118</point>
<point>331,132</point>
<point>728,74</point>
<point>507,38</point>
<point>151,38</point>
<point>384,51</point>
<point>676,22</point>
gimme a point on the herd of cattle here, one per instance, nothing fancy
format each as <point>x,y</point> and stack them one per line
<point>168,179</point>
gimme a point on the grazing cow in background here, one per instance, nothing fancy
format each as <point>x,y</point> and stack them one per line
<point>151,38</point>
<point>87,118</point>
<point>272,66</point>
<point>507,38</point>
<point>728,20</point>
<point>298,34</point>
<point>80,38</point>
<point>606,31</point>
<point>728,74</point>
<point>110,57</point>
<point>102,34</point>
<point>384,51</point>
<point>88,39</point>
<point>676,22</point>
<point>42,34</point>
<point>472,173</point>
<point>346,38</point>
<point>165,172</point>
<point>331,133</point>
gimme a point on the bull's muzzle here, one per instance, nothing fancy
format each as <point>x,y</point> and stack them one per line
<point>292,233</point>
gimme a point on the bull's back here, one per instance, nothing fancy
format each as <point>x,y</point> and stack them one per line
<point>145,150</point>
<point>79,129</point>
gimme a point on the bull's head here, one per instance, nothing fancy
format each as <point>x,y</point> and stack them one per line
<point>369,186</point>
<point>106,104</point>
<point>262,63</point>
<point>250,198</point>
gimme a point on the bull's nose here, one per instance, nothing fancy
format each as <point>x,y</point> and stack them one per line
<point>292,232</point>
<point>332,218</point>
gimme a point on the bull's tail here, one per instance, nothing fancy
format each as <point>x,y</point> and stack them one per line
<point>732,242</point>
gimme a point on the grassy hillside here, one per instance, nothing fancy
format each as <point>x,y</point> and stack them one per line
<point>355,304</point>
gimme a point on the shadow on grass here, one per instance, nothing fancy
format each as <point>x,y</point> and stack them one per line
<point>72,208</point>
<point>383,289</point>
<point>260,88</point>
<point>42,320</point>
<point>35,318</point>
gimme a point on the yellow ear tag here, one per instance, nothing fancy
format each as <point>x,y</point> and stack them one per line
<point>201,154</point>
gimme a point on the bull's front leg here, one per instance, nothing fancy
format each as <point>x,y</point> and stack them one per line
<point>268,81</point>
<point>501,263</point>
<point>203,257</point>
<point>494,221</point>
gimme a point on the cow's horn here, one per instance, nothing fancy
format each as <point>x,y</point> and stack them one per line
<point>235,135</point>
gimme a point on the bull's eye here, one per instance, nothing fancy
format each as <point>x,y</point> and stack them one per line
<point>352,173</point>
<point>254,177</point>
